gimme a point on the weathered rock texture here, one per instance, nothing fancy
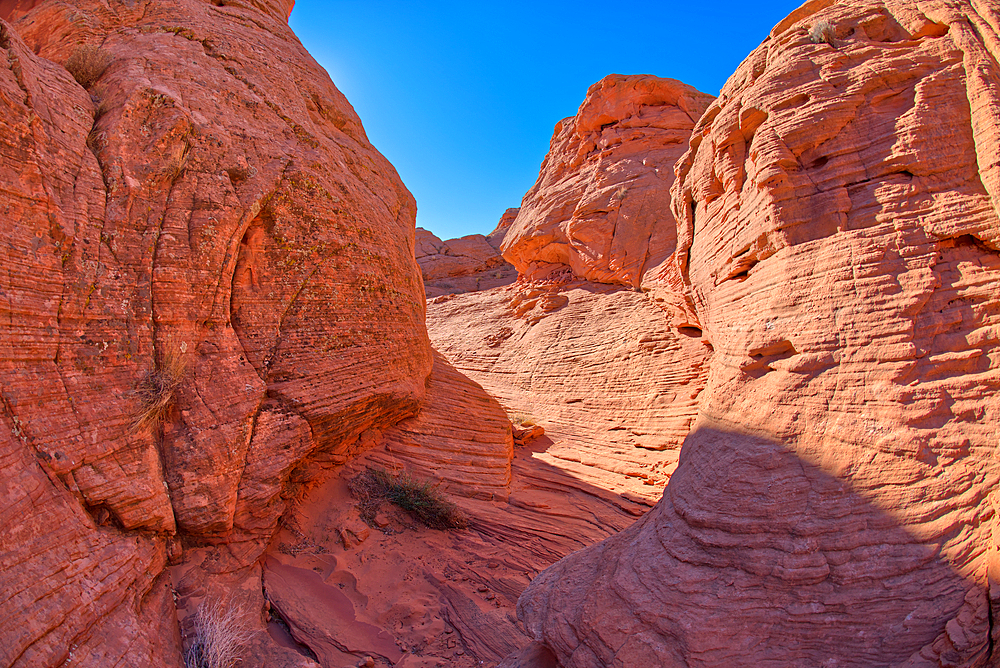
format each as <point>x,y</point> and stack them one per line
<point>601,204</point>
<point>14,9</point>
<point>468,264</point>
<point>205,229</point>
<point>441,597</point>
<point>461,437</point>
<point>838,238</point>
<point>598,366</point>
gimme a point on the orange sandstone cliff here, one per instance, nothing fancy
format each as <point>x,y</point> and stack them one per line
<point>574,345</point>
<point>601,205</point>
<point>776,310</point>
<point>208,292</point>
<point>838,240</point>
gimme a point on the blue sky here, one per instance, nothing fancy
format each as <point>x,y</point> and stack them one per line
<point>462,97</point>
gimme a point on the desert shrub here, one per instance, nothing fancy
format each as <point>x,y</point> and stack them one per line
<point>822,32</point>
<point>220,633</point>
<point>154,393</point>
<point>87,63</point>
<point>420,498</point>
<point>522,419</point>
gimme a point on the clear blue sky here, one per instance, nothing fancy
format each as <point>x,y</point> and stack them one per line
<point>462,97</point>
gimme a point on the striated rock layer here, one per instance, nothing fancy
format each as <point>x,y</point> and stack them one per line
<point>838,237</point>
<point>601,205</point>
<point>469,264</point>
<point>208,287</point>
<point>598,366</point>
<point>461,437</point>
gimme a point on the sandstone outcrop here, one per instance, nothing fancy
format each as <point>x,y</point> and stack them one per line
<point>598,366</point>
<point>468,264</point>
<point>209,291</point>
<point>461,437</point>
<point>601,205</point>
<point>838,236</point>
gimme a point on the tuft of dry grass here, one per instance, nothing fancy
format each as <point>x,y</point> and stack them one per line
<point>522,419</point>
<point>420,498</point>
<point>821,32</point>
<point>154,393</point>
<point>88,63</point>
<point>220,635</point>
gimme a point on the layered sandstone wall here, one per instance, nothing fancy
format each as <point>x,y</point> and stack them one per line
<point>601,204</point>
<point>468,264</point>
<point>838,239</point>
<point>204,229</point>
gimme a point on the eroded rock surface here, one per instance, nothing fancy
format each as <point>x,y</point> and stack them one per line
<point>206,230</point>
<point>601,205</point>
<point>838,238</point>
<point>599,367</point>
<point>468,264</point>
<point>461,437</point>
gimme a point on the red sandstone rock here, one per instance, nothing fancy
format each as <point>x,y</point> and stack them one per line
<point>11,10</point>
<point>209,210</point>
<point>469,264</point>
<point>496,237</point>
<point>461,437</point>
<point>443,596</point>
<point>455,257</point>
<point>601,204</point>
<point>525,434</point>
<point>838,236</point>
<point>597,366</point>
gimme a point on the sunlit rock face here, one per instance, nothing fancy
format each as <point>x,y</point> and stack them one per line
<point>601,204</point>
<point>469,264</point>
<point>204,228</point>
<point>838,239</point>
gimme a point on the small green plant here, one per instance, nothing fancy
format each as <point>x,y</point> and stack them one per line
<point>420,498</point>
<point>88,63</point>
<point>821,32</point>
<point>154,393</point>
<point>219,635</point>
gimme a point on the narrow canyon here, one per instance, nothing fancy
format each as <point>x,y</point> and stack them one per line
<point>721,391</point>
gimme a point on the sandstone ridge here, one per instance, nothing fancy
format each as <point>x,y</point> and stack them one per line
<point>209,294</point>
<point>837,239</point>
<point>601,204</point>
<point>468,264</point>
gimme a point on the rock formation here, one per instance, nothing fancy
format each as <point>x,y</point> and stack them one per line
<point>212,299</point>
<point>461,437</point>
<point>838,241</point>
<point>601,205</point>
<point>209,292</point>
<point>468,264</point>
<point>598,366</point>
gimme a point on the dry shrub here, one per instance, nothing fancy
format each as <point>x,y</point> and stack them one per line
<point>522,419</point>
<point>154,393</point>
<point>420,498</point>
<point>822,32</point>
<point>87,63</point>
<point>220,634</point>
